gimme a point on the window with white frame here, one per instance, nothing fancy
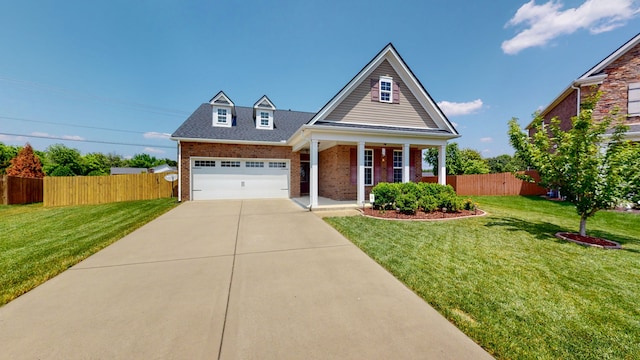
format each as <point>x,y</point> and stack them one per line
<point>205,163</point>
<point>368,167</point>
<point>226,163</point>
<point>386,92</point>
<point>222,116</point>
<point>264,119</point>
<point>278,164</point>
<point>634,99</point>
<point>397,166</point>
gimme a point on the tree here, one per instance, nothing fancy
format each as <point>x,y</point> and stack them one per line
<point>458,162</point>
<point>586,163</point>
<point>59,155</point>
<point>26,164</point>
<point>7,152</point>
<point>505,163</point>
<point>143,161</point>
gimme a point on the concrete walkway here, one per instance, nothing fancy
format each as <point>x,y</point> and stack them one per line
<point>229,280</point>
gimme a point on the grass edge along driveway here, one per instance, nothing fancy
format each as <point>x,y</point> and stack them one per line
<point>37,243</point>
<point>508,283</point>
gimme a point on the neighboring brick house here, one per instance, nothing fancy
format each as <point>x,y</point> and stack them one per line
<point>373,130</point>
<point>617,77</point>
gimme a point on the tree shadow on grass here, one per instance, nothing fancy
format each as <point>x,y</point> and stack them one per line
<point>547,231</point>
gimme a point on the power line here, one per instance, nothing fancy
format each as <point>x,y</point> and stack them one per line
<point>72,125</point>
<point>72,93</point>
<point>88,141</point>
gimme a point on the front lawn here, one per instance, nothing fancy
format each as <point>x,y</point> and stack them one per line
<point>37,243</point>
<point>508,283</point>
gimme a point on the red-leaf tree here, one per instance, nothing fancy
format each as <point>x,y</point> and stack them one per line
<point>26,164</point>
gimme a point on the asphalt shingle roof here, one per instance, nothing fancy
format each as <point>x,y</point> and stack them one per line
<point>200,125</point>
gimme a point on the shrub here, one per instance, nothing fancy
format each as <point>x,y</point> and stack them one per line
<point>428,203</point>
<point>470,205</point>
<point>407,203</point>
<point>451,203</point>
<point>385,195</point>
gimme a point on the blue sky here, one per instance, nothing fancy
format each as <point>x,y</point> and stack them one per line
<point>130,72</point>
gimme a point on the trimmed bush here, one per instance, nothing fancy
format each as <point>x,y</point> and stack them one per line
<point>409,197</point>
<point>407,203</point>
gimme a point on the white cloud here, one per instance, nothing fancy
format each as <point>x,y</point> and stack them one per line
<point>153,150</point>
<point>11,138</point>
<point>486,139</point>
<point>486,151</point>
<point>547,21</point>
<point>40,134</point>
<point>156,135</point>
<point>72,137</point>
<point>460,108</point>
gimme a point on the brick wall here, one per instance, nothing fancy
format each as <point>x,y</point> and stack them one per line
<point>615,90</point>
<point>334,173</point>
<point>191,149</point>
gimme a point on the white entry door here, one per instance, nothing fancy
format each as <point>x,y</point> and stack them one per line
<point>224,178</point>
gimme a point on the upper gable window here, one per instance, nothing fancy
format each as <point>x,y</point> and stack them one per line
<point>386,92</point>
<point>634,99</point>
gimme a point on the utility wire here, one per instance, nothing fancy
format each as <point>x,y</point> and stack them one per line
<point>88,141</point>
<point>67,92</point>
<point>72,125</point>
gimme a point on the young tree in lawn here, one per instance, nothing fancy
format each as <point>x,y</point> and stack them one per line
<point>588,164</point>
<point>26,164</point>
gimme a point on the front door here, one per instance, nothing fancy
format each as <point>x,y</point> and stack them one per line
<point>304,178</point>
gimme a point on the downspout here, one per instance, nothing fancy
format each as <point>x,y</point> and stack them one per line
<point>179,172</point>
<point>577,99</point>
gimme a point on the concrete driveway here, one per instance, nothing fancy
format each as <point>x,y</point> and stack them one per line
<point>259,279</point>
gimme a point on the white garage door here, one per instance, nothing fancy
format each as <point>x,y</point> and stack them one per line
<point>224,178</point>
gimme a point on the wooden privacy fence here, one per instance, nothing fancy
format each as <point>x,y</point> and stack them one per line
<point>19,190</point>
<point>84,190</point>
<point>492,184</point>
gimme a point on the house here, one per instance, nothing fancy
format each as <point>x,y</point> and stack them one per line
<point>617,77</point>
<point>162,168</point>
<point>373,130</point>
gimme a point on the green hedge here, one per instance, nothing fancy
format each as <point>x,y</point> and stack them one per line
<point>428,197</point>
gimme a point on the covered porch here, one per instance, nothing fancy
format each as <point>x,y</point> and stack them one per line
<point>351,161</point>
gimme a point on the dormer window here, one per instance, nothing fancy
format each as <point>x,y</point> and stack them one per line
<point>264,119</point>
<point>222,110</point>
<point>386,86</point>
<point>263,111</point>
<point>222,116</point>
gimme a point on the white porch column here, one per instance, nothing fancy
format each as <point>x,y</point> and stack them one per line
<point>313,184</point>
<point>406,173</point>
<point>360,197</point>
<point>442,167</point>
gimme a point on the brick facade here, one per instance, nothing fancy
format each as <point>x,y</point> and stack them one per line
<point>336,166</point>
<point>614,88</point>
<point>194,149</point>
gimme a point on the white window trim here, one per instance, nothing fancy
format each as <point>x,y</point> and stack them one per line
<point>259,125</point>
<point>397,167</point>
<point>635,89</point>
<point>368,167</point>
<point>390,91</point>
<point>228,120</point>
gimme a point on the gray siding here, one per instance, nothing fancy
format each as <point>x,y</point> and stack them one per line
<point>359,109</point>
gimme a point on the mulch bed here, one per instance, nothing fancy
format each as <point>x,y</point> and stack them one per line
<point>588,240</point>
<point>419,215</point>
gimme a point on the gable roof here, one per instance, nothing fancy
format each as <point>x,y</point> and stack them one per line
<point>264,103</point>
<point>199,126</point>
<point>612,57</point>
<point>390,54</point>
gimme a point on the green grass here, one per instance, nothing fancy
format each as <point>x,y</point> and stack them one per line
<point>37,243</point>
<point>508,283</point>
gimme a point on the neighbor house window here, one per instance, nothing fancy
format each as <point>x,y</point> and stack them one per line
<point>397,166</point>
<point>386,94</point>
<point>222,116</point>
<point>634,99</point>
<point>368,167</point>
